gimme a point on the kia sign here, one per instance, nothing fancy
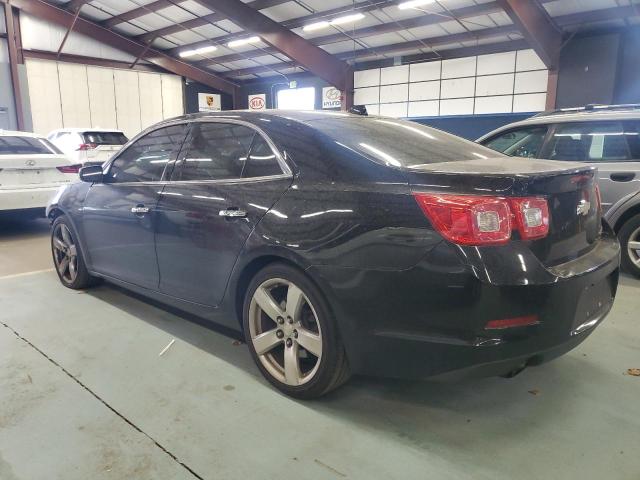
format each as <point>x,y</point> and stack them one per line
<point>331,97</point>
<point>257,102</point>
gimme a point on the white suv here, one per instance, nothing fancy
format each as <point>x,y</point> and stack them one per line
<point>31,171</point>
<point>89,146</point>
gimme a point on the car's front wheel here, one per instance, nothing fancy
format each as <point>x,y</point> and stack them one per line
<point>292,334</point>
<point>629,236</point>
<point>67,256</point>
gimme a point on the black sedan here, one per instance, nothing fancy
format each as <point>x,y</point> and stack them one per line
<point>342,244</point>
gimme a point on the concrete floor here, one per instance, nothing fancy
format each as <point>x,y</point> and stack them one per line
<point>85,395</point>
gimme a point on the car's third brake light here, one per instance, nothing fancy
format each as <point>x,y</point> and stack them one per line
<point>485,220</point>
<point>87,146</point>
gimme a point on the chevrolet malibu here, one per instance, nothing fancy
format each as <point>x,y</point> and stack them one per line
<point>341,244</point>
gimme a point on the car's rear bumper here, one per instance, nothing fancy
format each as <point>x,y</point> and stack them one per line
<point>27,197</point>
<point>431,321</point>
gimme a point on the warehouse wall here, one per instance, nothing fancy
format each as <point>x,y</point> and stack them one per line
<point>71,95</point>
<point>508,82</point>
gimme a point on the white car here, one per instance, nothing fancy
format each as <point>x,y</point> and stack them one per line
<point>91,146</point>
<point>32,170</point>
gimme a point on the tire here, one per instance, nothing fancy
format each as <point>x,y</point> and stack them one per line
<point>304,335</point>
<point>630,232</point>
<point>75,274</point>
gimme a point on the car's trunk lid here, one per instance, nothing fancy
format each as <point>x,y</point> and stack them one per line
<point>570,190</point>
<point>30,169</point>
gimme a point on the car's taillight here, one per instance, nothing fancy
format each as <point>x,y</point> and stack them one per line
<point>485,220</point>
<point>86,146</point>
<point>70,168</point>
<point>598,198</point>
<point>512,322</point>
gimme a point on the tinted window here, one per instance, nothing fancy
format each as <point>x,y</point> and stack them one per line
<point>262,162</point>
<point>104,138</point>
<point>146,159</point>
<point>593,142</point>
<point>26,146</point>
<point>524,142</point>
<point>216,151</point>
<point>398,143</point>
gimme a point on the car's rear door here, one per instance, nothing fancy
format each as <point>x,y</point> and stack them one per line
<point>229,176</point>
<point>611,146</point>
<point>119,215</point>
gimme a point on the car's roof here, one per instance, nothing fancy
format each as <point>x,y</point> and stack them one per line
<point>15,133</point>
<point>88,129</point>
<point>256,115</point>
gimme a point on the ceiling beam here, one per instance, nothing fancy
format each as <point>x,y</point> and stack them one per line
<point>420,21</point>
<point>537,27</point>
<point>12,44</point>
<point>139,12</point>
<point>65,18</point>
<point>602,15</point>
<point>301,51</point>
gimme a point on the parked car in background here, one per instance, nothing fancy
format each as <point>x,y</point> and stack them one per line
<point>31,171</point>
<point>89,146</point>
<point>607,137</point>
<point>346,244</point>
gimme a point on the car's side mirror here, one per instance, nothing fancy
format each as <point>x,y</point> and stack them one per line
<point>91,174</point>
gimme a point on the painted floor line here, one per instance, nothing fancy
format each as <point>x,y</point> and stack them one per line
<point>24,274</point>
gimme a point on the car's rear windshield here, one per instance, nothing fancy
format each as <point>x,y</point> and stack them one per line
<point>399,143</point>
<point>105,138</point>
<point>19,145</point>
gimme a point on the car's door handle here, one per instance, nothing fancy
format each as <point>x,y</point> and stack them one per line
<point>622,176</point>
<point>233,213</point>
<point>139,209</point>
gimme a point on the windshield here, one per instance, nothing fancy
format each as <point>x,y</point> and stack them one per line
<point>105,138</point>
<point>399,143</point>
<point>26,146</point>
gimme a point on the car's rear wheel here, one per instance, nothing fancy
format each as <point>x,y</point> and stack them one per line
<point>292,334</point>
<point>67,256</point>
<point>629,236</point>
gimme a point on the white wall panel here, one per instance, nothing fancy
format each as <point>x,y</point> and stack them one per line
<point>127,101</point>
<point>459,67</point>
<point>74,95</point>
<point>150,85</point>
<point>391,75</point>
<point>529,103</point>
<point>366,95</point>
<point>531,82</point>
<point>429,108</point>
<point>500,104</point>
<point>529,60</point>
<point>460,106</point>
<point>172,96</point>
<point>497,63</point>
<point>494,85</point>
<point>424,91</point>
<point>44,93</point>
<point>458,88</point>
<point>393,109</point>
<point>394,93</point>
<point>366,78</point>
<point>102,98</point>
<point>373,109</point>
<point>420,72</point>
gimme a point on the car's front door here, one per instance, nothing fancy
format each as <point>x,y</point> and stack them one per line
<point>227,178</point>
<point>119,213</point>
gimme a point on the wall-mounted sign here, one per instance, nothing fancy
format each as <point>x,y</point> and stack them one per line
<point>331,97</point>
<point>258,102</point>
<point>209,102</point>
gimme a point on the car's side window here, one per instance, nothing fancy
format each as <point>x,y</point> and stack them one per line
<point>215,151</point>
<point>591,142</point>
<point>522,142</point>
<point>146,159</point>
<point>262,161</point>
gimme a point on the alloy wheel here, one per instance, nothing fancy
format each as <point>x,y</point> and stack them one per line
<point>633,247</point>
<point>285,331</point>
<point>65,253</point>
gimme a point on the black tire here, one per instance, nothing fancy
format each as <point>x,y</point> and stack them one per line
<point>333,369</point>
<point>630,227</point>
<point>82,277</point>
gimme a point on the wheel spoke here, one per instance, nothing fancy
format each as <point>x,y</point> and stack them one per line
<point>66,236</point>
<point>266,341</point>
<point>268,305</point>
<point>58,244</point>
<point>634,245</point>
<point>72,267</point>
<point>63,265</point>
<point>292,372</point>
<point>311,342</point>
<point>295,300</point>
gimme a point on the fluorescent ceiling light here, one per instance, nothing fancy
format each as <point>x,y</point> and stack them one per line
<point>198,51</point>
<point>243,41</point>
<point>315,26</point>
<point>336,21</point>
<point>413,4</point>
